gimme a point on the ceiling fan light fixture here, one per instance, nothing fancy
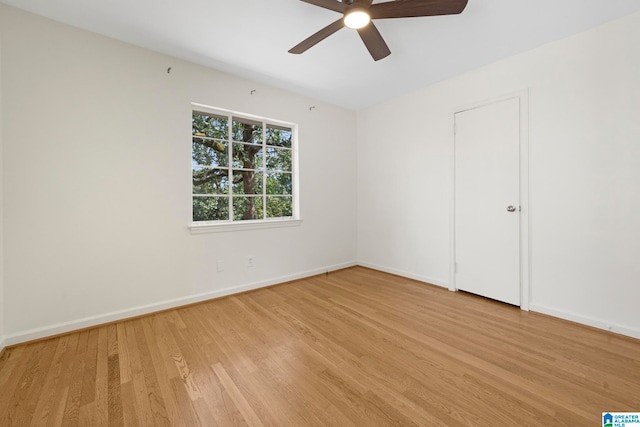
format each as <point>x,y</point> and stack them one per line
<point>357,18</point>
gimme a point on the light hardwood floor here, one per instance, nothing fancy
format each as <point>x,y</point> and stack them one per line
<point>355,347</point>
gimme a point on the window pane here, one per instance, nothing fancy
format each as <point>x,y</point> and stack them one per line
<point>247,208</point>
<point>210,208</point>
<point>258,160</point>
<point>278,159</point>
<point>210,181</point>
<point>279,206</point>
<point>209,125</point>
<point>279,183</point>
<point>246,130</point>
<point>247,156</point>
<point>239,165</point>
<point>209,152</point>
<point>247,182</point>
<point>278,136</point>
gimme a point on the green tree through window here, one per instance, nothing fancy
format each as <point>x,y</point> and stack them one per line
<point>242,168</point>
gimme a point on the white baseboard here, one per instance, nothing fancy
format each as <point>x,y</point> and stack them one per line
<point>101,319</point>
<point>87,322</point>
<point>585,320</point>
<point>430,280</point>
<point>2,344</point>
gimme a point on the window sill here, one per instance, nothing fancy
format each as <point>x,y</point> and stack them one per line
<point>222,227</point>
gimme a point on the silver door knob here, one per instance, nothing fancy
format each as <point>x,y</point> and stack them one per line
<point>511,208</point>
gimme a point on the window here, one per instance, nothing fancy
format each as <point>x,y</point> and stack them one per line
<point>243,168</point>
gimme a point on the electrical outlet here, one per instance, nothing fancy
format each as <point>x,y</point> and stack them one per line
<point>249,261</point>
<point>220,265</point>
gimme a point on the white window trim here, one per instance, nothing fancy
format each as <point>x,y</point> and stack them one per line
<point>203,227</point>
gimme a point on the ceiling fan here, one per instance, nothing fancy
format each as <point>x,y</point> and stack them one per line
<point>358,14</point>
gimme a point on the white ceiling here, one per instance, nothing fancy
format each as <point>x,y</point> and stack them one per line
<point>251,38</point>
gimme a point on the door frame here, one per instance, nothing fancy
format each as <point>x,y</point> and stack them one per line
<point>525,261</point>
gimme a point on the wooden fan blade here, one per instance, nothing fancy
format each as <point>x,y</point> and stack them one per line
<point>329,4</point>
<point>415,8</point>
<point>317,37</point>
<point>374,42</point>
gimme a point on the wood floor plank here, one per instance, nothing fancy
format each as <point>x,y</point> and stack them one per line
<point>149,380</point>
<point>46,403</point>
<point>72,404</point>
<point>114,394</point>
<point>138,360</point>
<point>351,348</point>
<point>158,358</point>
<point>210,406</point>
<point>30,387</point>
<point>90,358</point>
<point>130,415</point>
<point>101,389</point>
<point>58,413</point>
<point>238,399</point>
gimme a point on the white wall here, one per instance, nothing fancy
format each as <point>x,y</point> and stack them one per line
<point>96,173</point>
<point>97,182</point>
<point>584,115</point>
<point>1,214</point>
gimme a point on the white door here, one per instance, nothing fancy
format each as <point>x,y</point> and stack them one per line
<point>487,201</point>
